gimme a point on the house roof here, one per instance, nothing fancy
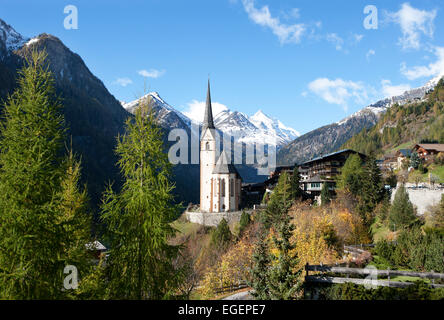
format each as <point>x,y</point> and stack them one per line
<point>315,178</point>
<point>324,157</point>
<point>224,165</point>
<point>404,152</point>
<point>95,245</point>
<point>431,146</point>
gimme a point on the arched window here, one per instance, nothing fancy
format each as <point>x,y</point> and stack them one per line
<point>231,187</point>
<point>222,192</point>
<point>207,146</point>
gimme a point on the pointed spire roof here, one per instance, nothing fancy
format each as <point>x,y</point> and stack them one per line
<point>224,165</point>
<point>208,117</point>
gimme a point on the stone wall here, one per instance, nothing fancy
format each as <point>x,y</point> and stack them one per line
<point>422,198</point>
<point>212,219</point>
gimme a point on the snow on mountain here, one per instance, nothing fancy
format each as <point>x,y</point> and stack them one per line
<point>382,105</point>
<point>166,114</point>
<point>283,133</point>
<point>9,38</point>
<point>259,128</point>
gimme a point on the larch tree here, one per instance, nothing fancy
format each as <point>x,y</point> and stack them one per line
<point>36,205</point>
<point>140,262</point>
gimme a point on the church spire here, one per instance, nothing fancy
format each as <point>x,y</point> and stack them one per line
<point>208,117</point>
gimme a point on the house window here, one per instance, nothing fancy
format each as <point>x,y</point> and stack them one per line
<point>207,146</point>
<point>223,188</point>
<point>231,187</point>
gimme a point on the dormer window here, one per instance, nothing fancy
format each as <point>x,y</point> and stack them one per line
<point>207,146</point>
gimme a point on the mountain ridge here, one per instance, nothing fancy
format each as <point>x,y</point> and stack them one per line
<point>331,137</point>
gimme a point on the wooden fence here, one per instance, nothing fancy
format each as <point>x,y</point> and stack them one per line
<point>231,288</point>
<point>373,273</point>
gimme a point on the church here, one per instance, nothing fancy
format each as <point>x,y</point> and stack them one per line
<point>220,183</point>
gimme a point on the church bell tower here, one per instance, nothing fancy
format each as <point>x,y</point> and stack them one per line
<point>207,157</point>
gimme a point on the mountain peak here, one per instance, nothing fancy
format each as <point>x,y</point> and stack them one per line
<point>9,38</point>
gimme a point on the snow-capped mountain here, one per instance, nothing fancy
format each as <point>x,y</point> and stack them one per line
<point>9,39</point>
<point>259,128</point>
<point>167,116</point>
<point>331,137</point>
<point>415,94</point>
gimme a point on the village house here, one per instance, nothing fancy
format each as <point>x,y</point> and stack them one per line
<point>426,150</point>
<point>388,162</point>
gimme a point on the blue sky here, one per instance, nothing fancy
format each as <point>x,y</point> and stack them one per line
<point>307,62</point>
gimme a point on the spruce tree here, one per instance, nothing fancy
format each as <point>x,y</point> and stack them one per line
<point>259,271</point>
<point>284,277</point>
<point>38,205</point>
<point>138,217</point>
<point>401,212</point>
<point>295,184</point>
<point>352,175</point>
<point>415,160</point>
<point>280,201</point>
<point>244,222</point>
<point>221,236</point>
<point>325,194</point>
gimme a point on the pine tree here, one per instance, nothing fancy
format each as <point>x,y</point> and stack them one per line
<point>401,213</point>
<point>325,194</point>
<point>138,218</point>
<point>352,174</point>
<point>295,184</point>
<point>415,160</point>
<point>372,190</point>
<point>259,271</point>
<point>221,237</point>
<point>244,222</point>
<point>280,201</point>
<point>38,201</point>
<point>284,279</point>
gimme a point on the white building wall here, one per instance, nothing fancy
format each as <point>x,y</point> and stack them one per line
<point>207,164</point>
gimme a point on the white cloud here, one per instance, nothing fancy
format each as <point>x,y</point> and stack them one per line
<point>123,82</point>
<point>152,73</point>
<point>432,69</point>
<point>370,53</point>
<point>413,22</point>
<point>285,33</point>
<point>337,41</point>
<point>388,90</point>
<point>338,91</point>
<point>195,110</point>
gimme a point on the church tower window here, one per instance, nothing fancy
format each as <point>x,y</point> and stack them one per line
<point>223,188</point>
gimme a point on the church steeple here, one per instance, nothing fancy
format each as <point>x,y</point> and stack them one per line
<point>208,117</point>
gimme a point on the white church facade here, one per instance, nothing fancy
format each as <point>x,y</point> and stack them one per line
<point>220,182</point>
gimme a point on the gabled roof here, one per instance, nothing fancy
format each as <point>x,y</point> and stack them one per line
<point>224,165</point>
<point>431,146</point>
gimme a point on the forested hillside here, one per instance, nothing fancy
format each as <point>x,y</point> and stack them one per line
<point>404,125</point>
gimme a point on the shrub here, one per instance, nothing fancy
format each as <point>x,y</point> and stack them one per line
<point>221,237</point>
